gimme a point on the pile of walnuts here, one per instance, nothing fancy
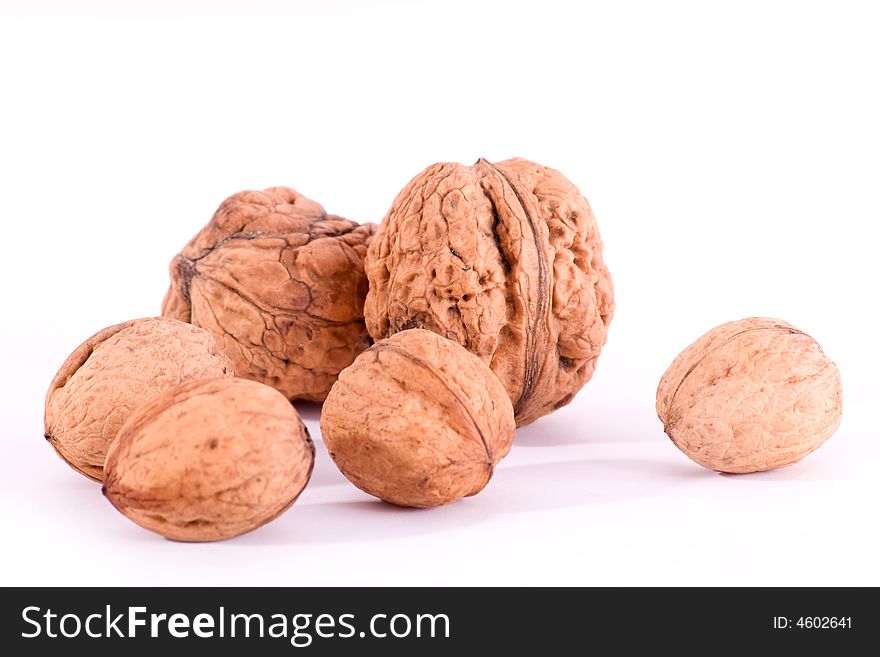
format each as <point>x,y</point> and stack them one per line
<point>480,304</point>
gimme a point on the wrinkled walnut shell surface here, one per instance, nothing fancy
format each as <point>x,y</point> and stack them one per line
<point>504,259</point>
<point>281,285</point>
<point>417,421</point>
<point>209,460</point>
<point>114,371</point>
<point>750,395</point>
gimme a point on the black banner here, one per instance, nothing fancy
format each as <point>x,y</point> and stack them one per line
<point>432,621</point>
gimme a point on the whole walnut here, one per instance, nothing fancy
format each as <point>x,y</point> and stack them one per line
<point>417,421</point>
<point>750,395</point>
<point>209,460</point>
<point>281,285</point>
<point>115,370</point>
<point>504,259</point>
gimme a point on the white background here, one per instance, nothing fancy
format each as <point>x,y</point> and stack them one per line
<point>730,151</point>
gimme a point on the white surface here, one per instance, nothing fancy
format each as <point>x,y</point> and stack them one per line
<point>729,150</point>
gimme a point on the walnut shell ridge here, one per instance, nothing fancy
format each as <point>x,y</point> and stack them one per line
<point>113,372</point>
<point>209,460</point>
<point>418,421</point>
<point>281,285</point>
<point>506,260</point>
<point>750,395</point>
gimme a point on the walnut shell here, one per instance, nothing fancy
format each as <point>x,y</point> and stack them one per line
<point>417,421</point>
<point>751,395</point>
<point>209,460</point>
<point>114,371</point>
<point>281,285</point>
<point>506,260</point>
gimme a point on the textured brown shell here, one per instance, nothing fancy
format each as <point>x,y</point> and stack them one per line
<point>750,395</point>
<point>417,421</point>
<point>209,460</point>
<point>114,371</point>
<point>506,260</point>
<point>281,285</point>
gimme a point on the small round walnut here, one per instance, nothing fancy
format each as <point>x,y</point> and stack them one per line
<point>114,371</point>
<point>504,259</point>
<point>281,285</point>
<point>417,421</point>
<point>751,395</point>
<point>209,460</point>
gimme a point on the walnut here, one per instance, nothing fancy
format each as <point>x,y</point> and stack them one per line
<point>751,395</point>
<point>281,285</point>
<point>504,259</point>
<point>209,460</point>
<point>417,421</point>
<point>111,373</point>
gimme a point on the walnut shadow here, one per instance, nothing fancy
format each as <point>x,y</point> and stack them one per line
<point>513,490</point>
<point>325,473</point>
<point>808,469</point>
<point>309,411</point>
<point>568,429</point>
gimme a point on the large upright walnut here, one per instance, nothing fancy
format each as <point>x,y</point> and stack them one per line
<point>417,421</point>
<point>209,460</point>
<point>506,260</point>
<point>281,285</point>
<point>750,395</point>
<point>114,371</point>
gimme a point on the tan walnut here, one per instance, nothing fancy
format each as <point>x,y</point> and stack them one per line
<point>417,421</point>
<point>115,370</point>
<point>209,460</point>
<point>750,395</point>
<point>281,285</point>
<point>504,259</point>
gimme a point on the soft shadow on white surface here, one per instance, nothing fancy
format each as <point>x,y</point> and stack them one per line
<point>808,469</point>
<point>325,473</point>
<point>592,420</point>
<point>513,490</point>
<point>550,432</point>
<point>350,522</point>
<point>558,485</point>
